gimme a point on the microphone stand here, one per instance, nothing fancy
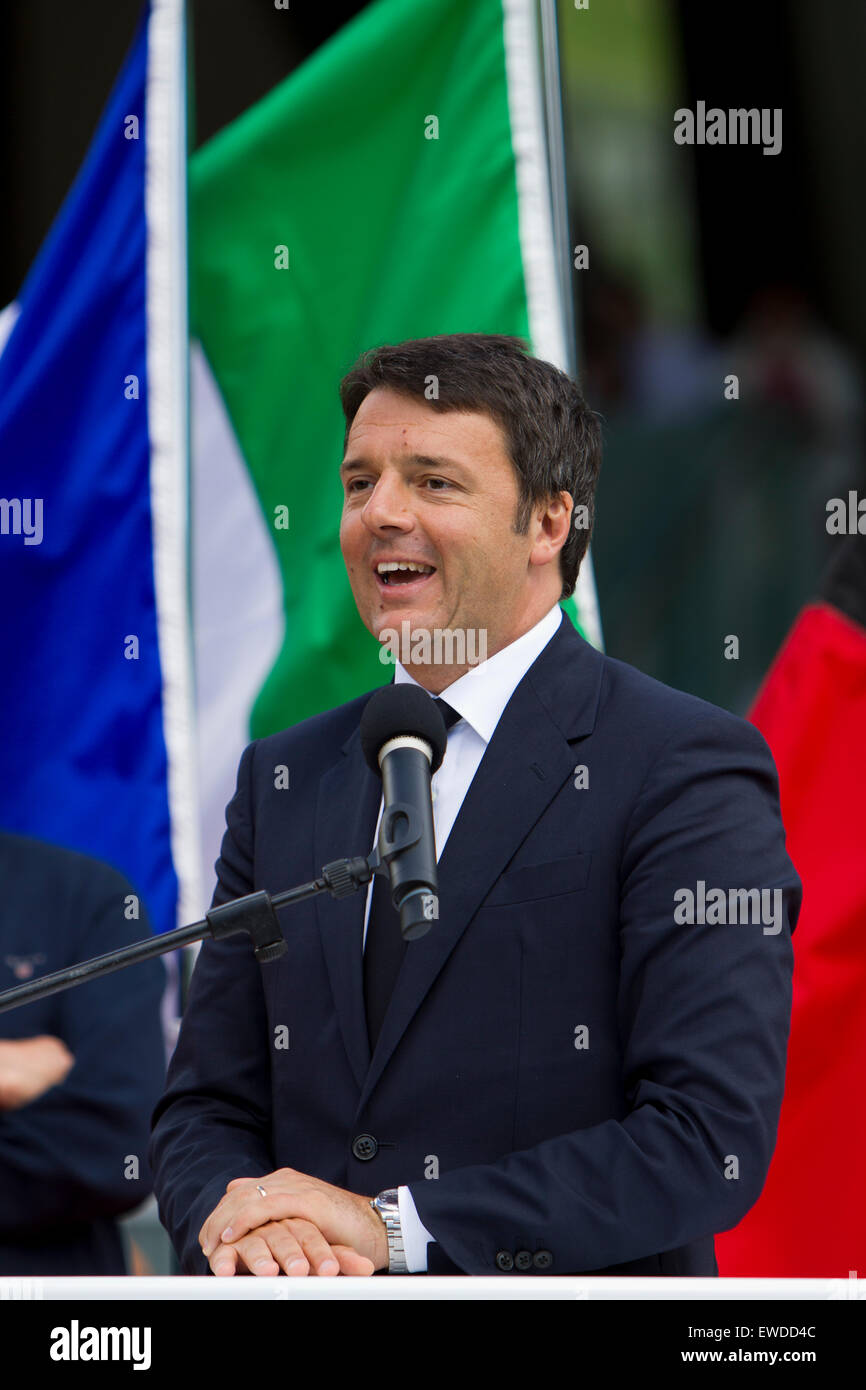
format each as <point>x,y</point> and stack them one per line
<point>255,913</point>
<point>401,828</point>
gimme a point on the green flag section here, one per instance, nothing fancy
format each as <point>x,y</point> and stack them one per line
<point>393,187</point>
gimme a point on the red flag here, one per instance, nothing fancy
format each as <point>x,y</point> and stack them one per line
<point>810,1220</point>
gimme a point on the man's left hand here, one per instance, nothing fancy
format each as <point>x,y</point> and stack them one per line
<point>342,1217</point>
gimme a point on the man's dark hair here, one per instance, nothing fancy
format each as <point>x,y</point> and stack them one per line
<point>553,438</point>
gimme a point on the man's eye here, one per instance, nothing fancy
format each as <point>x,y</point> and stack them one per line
<point>443,481</point>
<point>353,483</point>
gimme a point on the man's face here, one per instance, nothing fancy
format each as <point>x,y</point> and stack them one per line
<point>439,490</point>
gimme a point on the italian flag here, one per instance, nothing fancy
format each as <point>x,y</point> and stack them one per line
<point>395,186</point>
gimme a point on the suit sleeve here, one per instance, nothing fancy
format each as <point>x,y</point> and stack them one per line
<point>703,1016</point>
<point>213,1123</point>
<point>77,1153</point>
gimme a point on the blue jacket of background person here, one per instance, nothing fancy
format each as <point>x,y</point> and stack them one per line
<point>68,1160</point>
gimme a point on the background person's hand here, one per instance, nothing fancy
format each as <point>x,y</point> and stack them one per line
<point>31,1066</point>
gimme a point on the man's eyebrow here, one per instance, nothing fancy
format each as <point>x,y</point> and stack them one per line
<point>413,460</point>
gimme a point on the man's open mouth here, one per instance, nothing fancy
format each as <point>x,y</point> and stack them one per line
<point>393,574</point>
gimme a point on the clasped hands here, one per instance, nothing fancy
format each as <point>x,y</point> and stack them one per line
<point>303,1226</point>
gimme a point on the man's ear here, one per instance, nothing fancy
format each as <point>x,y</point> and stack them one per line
<point>552,522</point>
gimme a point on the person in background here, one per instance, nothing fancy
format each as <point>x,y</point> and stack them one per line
<point>80,1071</point>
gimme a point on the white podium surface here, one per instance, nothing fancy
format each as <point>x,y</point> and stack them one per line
<point>284,1289</point>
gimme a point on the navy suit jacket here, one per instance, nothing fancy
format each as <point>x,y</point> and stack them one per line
<point>65,1158</point>
<point>568,1080</point>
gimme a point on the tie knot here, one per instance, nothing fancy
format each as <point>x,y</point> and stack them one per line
<point>448,714</point>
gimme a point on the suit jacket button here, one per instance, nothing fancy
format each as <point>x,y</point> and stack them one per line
<point>365,1147</point>
<point>504,1260</point>
<point>542,1259</point>
<point>523,1260</point>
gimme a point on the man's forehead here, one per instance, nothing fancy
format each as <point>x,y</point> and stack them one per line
<point>388,413</point>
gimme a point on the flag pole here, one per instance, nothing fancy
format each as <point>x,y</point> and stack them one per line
<point>168,425</point>
<point>558,184</point>
<point>585,598</point>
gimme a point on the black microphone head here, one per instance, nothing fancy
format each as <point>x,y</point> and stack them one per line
<point>402,709</point>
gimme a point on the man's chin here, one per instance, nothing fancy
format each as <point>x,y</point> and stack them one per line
<point>396,619</point>
<point>407,634</point>
<point>403,623</point>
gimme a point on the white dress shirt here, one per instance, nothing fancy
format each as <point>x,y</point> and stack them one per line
<point>479,697</point>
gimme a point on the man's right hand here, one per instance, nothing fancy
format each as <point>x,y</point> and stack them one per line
<point>31,1066</point>
<point>293,1246</point>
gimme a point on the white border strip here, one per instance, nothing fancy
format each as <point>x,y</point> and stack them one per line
<point>535,226</point>
<point>168,423</point>
<point>400,1287</point>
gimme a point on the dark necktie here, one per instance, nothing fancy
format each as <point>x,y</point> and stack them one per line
<point>384,948</point>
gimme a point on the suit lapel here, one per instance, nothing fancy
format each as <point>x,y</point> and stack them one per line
<point>524,766</point>
<point>347,807</point>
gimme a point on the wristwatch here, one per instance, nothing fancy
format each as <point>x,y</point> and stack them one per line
<point>388,1207</point>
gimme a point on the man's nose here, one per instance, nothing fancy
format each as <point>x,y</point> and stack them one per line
<point>388,503</point>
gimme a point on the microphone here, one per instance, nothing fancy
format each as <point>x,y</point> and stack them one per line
<point>404,738</point>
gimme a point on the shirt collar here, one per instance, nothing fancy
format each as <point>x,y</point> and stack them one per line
<point>482,693</point>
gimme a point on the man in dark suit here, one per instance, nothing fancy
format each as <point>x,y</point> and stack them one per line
<point>80,1071</point>
<point>580,1067</point>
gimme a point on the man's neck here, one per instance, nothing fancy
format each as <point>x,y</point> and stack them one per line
<point>436,676</point>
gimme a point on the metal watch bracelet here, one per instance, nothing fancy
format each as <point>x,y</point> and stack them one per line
<point>388,1207</point>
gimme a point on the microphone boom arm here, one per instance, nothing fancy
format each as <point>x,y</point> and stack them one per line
<point>254,913</point>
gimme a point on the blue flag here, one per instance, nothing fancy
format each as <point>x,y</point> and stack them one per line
<point>95,707</point>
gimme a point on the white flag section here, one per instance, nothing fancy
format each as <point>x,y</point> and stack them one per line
<point>238,613</point>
